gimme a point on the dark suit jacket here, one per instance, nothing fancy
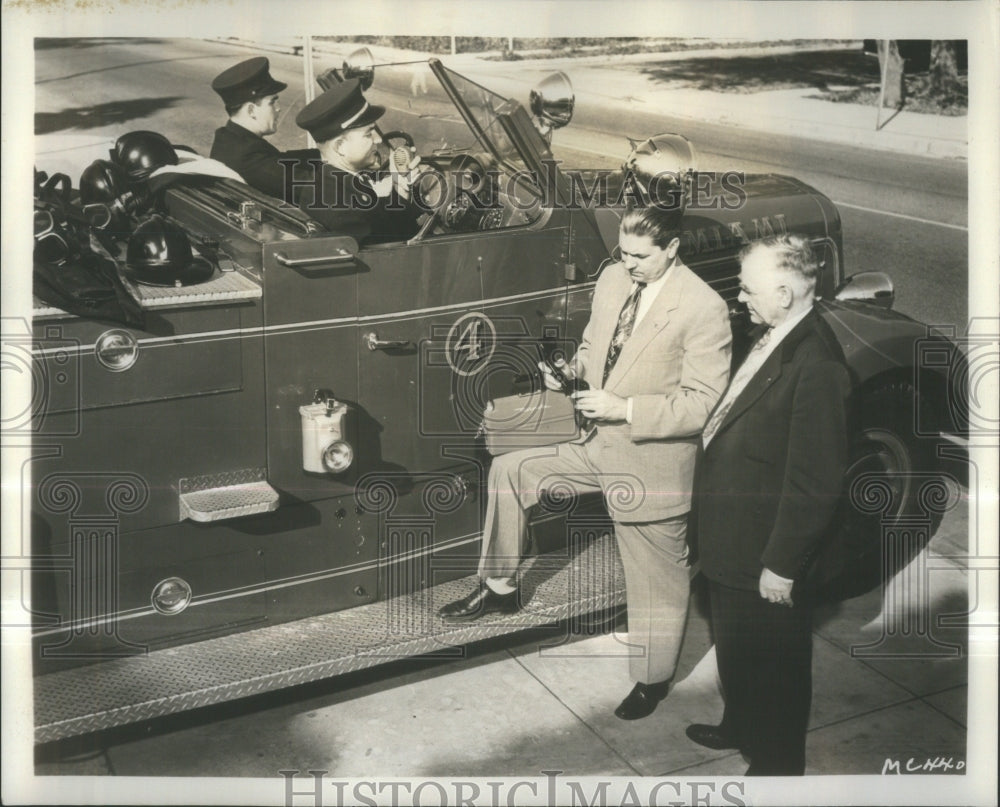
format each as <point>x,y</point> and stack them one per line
<point>769,484</point>
<point>254,159</point>
<point>346,204</point>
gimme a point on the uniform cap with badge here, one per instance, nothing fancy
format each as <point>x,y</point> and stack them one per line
<point>340,108</point>
<point>247,81</point>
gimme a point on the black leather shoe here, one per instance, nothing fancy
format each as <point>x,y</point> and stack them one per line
<point>480,602</point>
<point>642,700</point>
<point>710,736</point>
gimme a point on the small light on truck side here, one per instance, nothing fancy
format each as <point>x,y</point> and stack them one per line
<point>324,449</point>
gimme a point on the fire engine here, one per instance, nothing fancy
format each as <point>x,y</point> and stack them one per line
<point>278,476</point>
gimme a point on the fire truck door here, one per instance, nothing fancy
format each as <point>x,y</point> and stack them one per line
<point>445,325</point>
<point>435,322</point>
<point>310,344</point>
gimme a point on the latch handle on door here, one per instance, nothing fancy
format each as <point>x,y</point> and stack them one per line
<point>341,257</point>
<point>374,343</point>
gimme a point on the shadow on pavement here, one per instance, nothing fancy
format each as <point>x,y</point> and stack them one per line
<point>56,43</point>
<point>747,74</point>
<point>106,114</point>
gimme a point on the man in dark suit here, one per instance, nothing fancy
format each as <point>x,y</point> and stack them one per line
<point>767,486</point>
<point>340,189</point>
<point>655,354</point>
<point>251,99</point>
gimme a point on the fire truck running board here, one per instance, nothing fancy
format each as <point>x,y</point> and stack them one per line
<point>554,588</point>
<point>230,495</point>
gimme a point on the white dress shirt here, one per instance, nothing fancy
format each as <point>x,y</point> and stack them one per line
<point>779,332</point>
<point>746,371</point>
<point>646,300</point>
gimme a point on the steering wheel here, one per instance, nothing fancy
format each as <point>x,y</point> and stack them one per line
<point>448,193</point>
<point>398,134</point>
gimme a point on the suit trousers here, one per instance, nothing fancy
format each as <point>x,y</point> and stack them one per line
<point>764,654</point>
<point>654,553</point>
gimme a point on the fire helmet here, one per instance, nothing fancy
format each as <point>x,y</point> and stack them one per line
<point>102,182</point>
<point>140,153</point>
<point>106,197</point>
<point>159,254</point>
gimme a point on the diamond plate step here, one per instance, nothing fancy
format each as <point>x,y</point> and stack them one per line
<point>554,588</point>
<point>230,495</point>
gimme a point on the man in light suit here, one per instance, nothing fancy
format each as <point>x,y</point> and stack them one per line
<point>656,356</point>
<point>767,488</point>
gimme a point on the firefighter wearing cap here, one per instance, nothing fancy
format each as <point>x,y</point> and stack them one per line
<point>345,192</point>
<point>250,95</point>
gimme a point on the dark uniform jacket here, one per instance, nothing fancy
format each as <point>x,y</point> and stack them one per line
<point>346,204</point>
<point>769,483</point>
<point>254,159</point>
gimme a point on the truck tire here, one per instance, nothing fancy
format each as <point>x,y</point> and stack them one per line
<point>887,468</point>
<point>887,421</point>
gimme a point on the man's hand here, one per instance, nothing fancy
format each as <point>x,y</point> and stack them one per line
<point>383,187</point>
<point>550,380</point>
<point>775,588</point>
<point>398,177</point>
<point>599,404</point>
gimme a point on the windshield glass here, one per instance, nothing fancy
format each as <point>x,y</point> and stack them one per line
<point>419,103</point>
<point>485,107</point>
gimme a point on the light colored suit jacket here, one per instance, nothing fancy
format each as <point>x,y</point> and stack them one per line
<point>674,366</point>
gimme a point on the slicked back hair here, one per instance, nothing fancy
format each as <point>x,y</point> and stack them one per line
<point>660,226</point>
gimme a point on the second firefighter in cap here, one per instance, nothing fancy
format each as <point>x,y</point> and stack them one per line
<point>250,96</point>
<point>341,192</point>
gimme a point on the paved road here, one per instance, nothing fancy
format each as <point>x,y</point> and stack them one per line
<point>901,214</point>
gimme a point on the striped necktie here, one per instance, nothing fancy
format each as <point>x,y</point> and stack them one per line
<point>626,321</point>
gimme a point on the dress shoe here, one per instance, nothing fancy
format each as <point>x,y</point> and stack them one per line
<point>480,602</point>
<point>642,700</point>
<point>710,736</point>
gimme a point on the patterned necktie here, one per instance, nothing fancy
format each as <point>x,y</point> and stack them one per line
<point>746,371</point>
<point>626,321</point>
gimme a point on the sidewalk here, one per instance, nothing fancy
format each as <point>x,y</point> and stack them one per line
<point>620,82</point>
<point>544,700</point>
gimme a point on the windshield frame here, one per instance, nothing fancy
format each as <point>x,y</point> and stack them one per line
<point>467,110</point>
<point>483,116</point>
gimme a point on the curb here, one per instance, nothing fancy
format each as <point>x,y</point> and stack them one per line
<point>267,47</point>
<point>651,56</point>
<point>828,132</point>
<point>823,131</point>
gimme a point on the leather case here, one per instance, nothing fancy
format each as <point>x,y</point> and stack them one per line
<point>537,418</point>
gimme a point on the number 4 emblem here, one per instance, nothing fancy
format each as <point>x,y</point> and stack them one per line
<point>470,344</point>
